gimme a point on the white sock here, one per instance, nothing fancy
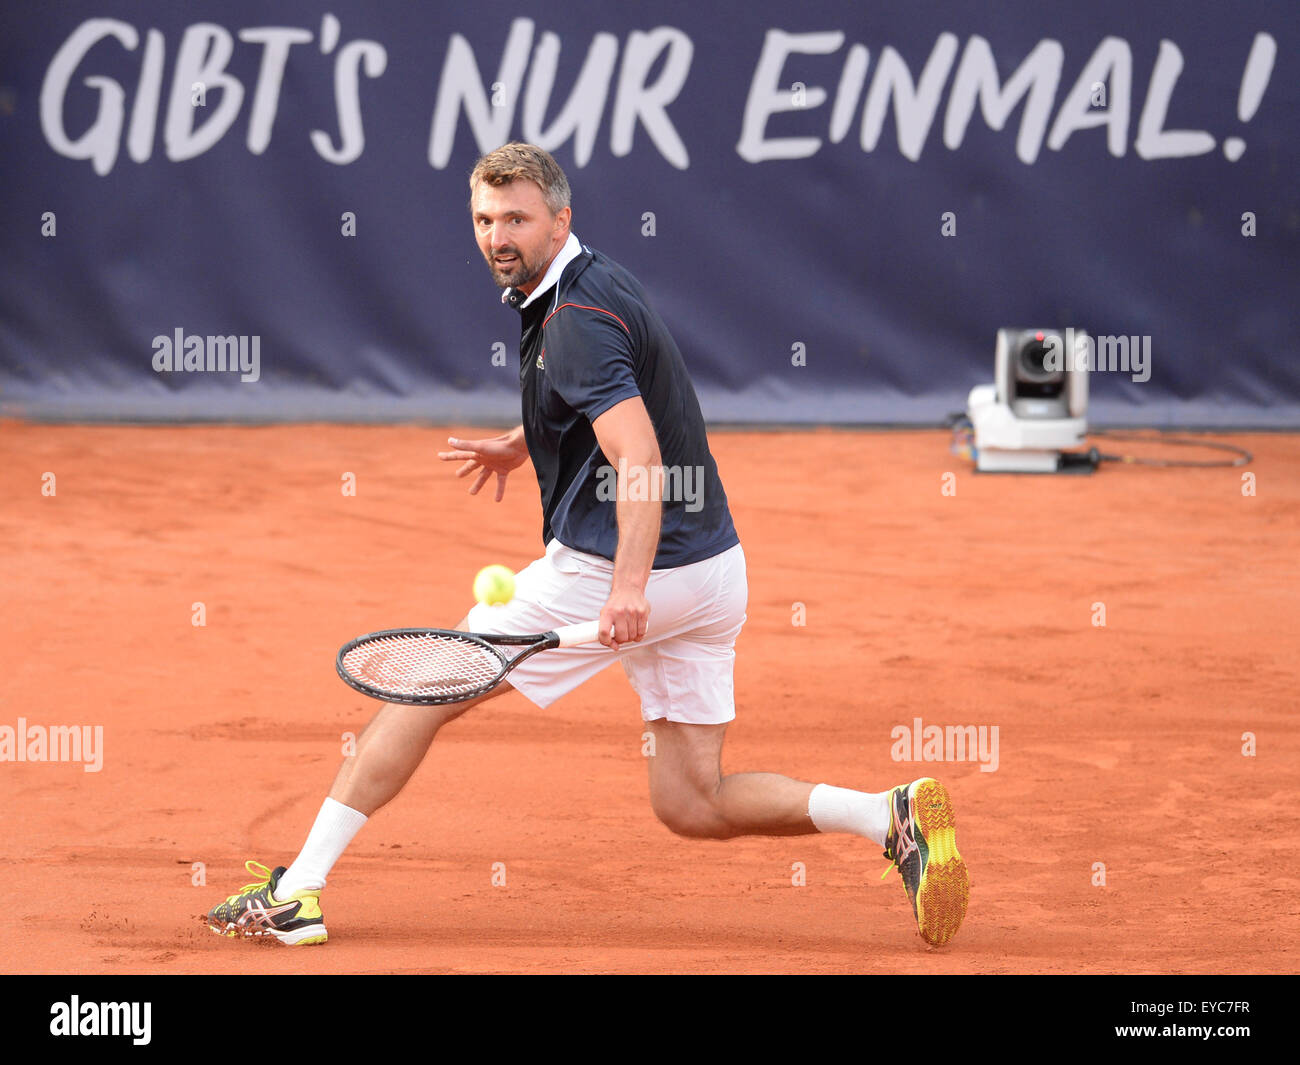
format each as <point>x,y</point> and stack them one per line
<point>843,810</point>
<point>335,826</point>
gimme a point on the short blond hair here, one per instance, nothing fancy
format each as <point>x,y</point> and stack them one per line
<point>523,162</point>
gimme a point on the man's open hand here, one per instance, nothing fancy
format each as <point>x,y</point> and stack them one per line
<point>497,454</point>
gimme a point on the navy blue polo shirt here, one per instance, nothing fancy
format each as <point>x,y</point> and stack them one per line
<point>590,344</point>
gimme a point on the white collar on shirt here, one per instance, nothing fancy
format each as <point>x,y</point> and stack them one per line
<point>571,250</point>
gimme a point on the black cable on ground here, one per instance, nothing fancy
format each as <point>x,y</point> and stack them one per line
<point>1244,457</point>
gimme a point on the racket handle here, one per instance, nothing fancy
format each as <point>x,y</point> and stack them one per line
<point>573,635</point>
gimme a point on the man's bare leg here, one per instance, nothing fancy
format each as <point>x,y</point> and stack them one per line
<point>389,750</point>
<point>691,796</point>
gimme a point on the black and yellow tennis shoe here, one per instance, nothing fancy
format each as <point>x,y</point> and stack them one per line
<point>255,911</point>
<point>922,844</point>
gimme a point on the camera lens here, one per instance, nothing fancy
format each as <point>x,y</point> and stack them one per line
<point>1033,363</point>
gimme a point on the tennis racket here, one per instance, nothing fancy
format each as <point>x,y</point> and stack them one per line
<point>433,667</point>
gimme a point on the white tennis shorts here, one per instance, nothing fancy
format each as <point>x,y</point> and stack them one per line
<point>682,669</point>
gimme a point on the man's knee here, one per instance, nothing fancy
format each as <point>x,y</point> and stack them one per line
<point>686,779</point>
<point>694,816</point>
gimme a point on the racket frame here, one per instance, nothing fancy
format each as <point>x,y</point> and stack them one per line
<point>566,636</point>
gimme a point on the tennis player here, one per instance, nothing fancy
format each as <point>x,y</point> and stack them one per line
<point>637,532</point>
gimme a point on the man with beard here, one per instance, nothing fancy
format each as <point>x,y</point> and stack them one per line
<point>614,430</point>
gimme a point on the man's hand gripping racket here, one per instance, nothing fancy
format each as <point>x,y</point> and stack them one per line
<point>434,667</point>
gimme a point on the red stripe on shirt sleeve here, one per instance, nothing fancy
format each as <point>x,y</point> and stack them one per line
<point>583,307</point>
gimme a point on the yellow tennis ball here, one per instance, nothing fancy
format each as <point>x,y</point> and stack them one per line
<point>494,584</point>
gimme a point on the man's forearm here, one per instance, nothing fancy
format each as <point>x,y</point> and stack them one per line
<point>638,531</point>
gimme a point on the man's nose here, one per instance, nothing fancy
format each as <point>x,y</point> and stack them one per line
<point>500,237</point>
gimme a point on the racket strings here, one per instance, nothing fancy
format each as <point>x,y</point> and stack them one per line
<point>423,664</point>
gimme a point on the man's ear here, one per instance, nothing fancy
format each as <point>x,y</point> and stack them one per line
<point>563,217</point>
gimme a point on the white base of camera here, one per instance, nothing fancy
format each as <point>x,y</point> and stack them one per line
<point>1007,443</point>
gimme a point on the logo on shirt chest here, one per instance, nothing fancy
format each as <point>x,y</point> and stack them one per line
<point>541,359</point>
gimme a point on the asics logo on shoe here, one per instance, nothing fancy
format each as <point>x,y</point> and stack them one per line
<point>259,915</point>
<point>906,842</point>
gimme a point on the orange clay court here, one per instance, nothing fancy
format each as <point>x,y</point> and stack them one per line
<point>1120,745</point>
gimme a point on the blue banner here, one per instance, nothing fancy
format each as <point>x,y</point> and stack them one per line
<point>834,206</point>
